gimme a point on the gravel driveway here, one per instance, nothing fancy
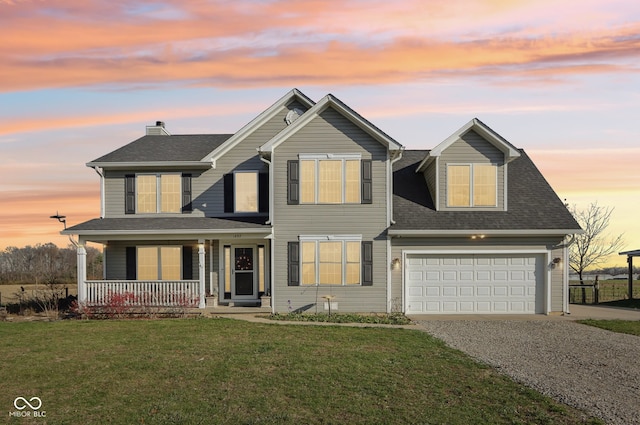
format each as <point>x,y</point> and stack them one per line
<point>589,368</point>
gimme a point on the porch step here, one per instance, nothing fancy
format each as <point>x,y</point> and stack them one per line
<point>222,309</point>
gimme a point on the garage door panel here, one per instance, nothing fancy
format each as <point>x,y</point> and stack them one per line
<point>483,307</point>
<point>500,291</point>
<point>449,291</point>
<point>466,291</point>
<point>466,275</point>
<point>518,291</point>
<point>483,291</point>
<point>500,275</point>
<point>432,291</point>
<point>466,307</point>
<point>449,275</point>
<point>483,276</point>
<point>475,283</point>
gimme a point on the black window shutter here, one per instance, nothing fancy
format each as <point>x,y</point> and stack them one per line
<point>367,182</point>
<point>294,264</point>
<point>228,193</point>
<point>367,263</point>
<point>263,192</point>
<point>130,194</point>
<point>293,182</point>
<point>187,262</point>
<point>131,263</point>
<point>186,193</point>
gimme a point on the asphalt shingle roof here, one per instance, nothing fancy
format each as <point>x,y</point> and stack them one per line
<point>190,147</point>
<point>160,224</point>
<point>532,203</point>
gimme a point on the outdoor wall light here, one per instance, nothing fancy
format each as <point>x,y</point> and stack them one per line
<point>557,260</point>
<point>395,264</point>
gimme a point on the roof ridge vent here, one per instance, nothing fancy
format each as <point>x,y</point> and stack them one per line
<point>157,130</point>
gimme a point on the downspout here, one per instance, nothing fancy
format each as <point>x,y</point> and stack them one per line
<point>266,161</point>
<point>272,236</point>
<point>391,221</point>
<point>393,161</point>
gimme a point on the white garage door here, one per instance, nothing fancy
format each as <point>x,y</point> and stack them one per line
<point>474,284</point>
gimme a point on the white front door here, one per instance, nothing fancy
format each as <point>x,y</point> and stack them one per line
<point>243,273</point>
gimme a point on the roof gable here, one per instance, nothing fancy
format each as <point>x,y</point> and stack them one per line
<point>330,101</point>
<point>258,121</point>
<point>510,151</point>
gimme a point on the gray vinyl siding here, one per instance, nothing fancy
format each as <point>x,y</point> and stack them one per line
<point>114,193</point>
<point>471,149</point>
<point>445,244</point>
<point>557,277</point>
<point>331,133</point>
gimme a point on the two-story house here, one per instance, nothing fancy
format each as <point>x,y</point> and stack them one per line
<point>313,205</point>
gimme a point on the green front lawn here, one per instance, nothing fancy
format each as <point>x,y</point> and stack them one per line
<point>631,327</point>
<point>205,371</point>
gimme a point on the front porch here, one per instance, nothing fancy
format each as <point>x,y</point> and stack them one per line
<point>234,270</point>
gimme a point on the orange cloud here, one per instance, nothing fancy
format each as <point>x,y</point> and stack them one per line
<point>266,44</point>
<point>35,123</point>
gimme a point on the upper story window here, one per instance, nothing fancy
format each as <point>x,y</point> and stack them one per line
<point>246,192</point>
<point>472,185</point>
<point>329,179</point>
<point>157,193</point>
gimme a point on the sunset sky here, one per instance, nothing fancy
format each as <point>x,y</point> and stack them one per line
<point>79,78</point>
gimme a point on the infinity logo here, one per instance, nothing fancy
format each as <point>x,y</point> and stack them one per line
<point>26,403</point>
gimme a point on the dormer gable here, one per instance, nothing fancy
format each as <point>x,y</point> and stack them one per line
<point>468,170</point>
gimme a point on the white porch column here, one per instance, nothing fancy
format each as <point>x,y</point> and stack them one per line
<point>201,273</point>
<point>82,274</point>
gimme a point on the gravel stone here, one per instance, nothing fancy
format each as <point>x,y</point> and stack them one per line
<point>595,370</point>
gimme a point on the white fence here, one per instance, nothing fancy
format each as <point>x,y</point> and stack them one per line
<point>166,293</point>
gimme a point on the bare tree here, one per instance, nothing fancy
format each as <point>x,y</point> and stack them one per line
<point>592,248</point>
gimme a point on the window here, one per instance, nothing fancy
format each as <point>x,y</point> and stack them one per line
<point>330,261</point>
<point>471,185</point>
<point>246,192</point>
<point>330,179</point>
<point>159,193</point>
<point>159,263</point>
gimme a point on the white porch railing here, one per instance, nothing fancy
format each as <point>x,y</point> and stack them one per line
<point>148,293</point>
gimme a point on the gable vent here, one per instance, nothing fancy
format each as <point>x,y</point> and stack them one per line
<point>293,115</point>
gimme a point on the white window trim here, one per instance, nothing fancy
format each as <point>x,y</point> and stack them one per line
<point>158,192</point>
<point>235,186</point>
<point>471,177</point>
<point>330,238</point>
<point>334,157</point>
